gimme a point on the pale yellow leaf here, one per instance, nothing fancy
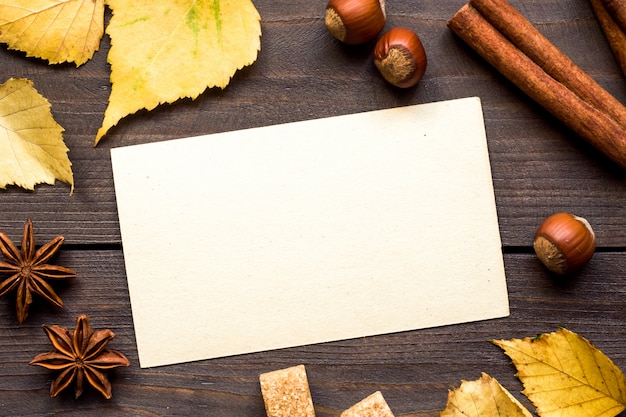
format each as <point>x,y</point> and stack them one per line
<point>164,50</point>
<point>55,30</point>
<point>484,397</point>
<point>566,376</point>
<point>31,143</point>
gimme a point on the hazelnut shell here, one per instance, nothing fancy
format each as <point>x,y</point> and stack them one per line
<point>564,243</point>
<point>400,57</point>
<point>355,22</point>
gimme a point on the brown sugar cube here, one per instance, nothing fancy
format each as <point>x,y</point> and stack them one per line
<point>372,406</point>
<point>286,393</point>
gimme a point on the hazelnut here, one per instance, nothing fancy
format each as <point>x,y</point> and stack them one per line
<point>400,57</point>
<point>355,21</point>
<point>564,243</point>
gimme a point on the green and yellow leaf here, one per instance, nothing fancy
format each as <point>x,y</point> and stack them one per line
<point>566,376</point>
<point>31,142</point>
<point>484,397</point>
<point>164,50</point>
<point>55,30</point>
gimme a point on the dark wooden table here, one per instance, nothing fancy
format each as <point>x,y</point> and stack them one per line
<point>539,167</point>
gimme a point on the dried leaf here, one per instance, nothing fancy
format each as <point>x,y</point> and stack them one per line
<point>484,397</point>
<point>566,376</point>
<point>31,141</point>
<point>55,30</point>
<point>186,46</point>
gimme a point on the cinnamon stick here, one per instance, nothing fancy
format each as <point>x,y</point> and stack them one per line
<point>592,124</point>
<point>513,25</point>
<point>617,9</point>
<point>614,34</point>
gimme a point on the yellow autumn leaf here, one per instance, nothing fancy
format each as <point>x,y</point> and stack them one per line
<point>31,143</point>
<point>566,376</point>
<point>484,397</point>
<point>164,50</point>
<point>55,30</point>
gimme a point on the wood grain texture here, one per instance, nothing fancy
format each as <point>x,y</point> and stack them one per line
<point>302,73</point>
<point>414,370</point>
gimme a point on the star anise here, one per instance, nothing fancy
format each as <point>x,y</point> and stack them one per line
<point>80,355</point>
<point>29,270</point>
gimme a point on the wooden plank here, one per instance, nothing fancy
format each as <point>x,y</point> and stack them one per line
<point>302,72</point>
<point>538,166</point>
<point>413,370</point>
